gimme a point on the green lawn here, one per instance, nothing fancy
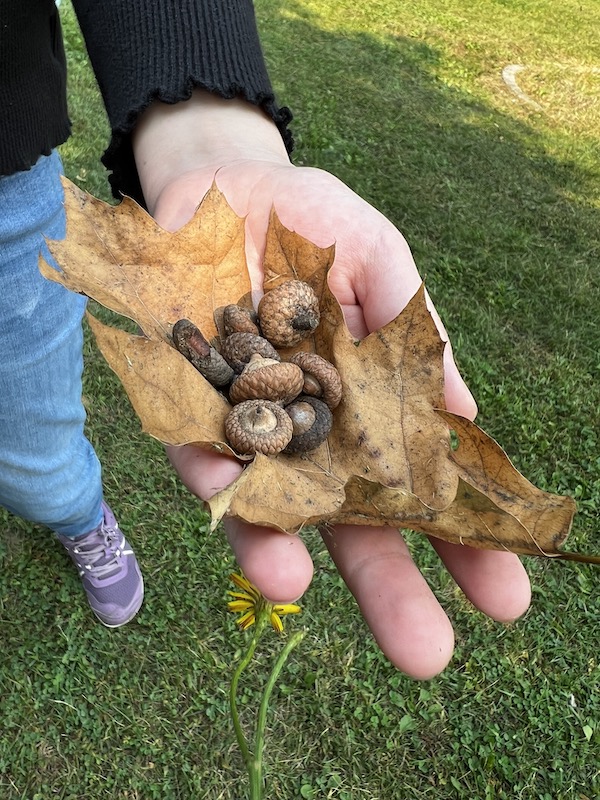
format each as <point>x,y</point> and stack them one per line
<point>500,202</point>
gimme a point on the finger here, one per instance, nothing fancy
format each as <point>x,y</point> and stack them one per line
<point>457,394</point>
<point>389,280</point>
<point>277,563</point>
<point>495,582</point>
<point>402,612</point>
<point>380,290</point>
<point>203,472</point>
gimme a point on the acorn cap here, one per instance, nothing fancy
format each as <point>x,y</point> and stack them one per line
<point>289,313</point>
<point>237,319</point>
<point>321,378</point>
<point>238,348</point>
<point>258,426</point>
<point>311,424</point>
<point>267,379</point>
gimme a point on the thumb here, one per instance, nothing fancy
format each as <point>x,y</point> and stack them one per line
<point>388,283</point>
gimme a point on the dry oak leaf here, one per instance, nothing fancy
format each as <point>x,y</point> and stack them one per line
<point>119,256</point>
<point>388,459</point>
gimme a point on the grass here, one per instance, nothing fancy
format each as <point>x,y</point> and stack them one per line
<point>500,203</point>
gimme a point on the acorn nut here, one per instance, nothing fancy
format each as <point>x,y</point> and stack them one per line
<point>321,378</point>
<point>190,342</point>
<point>238,348</point>
<point>311,420</point>
<point>258,426</point>
<point>267,379</point>
<point>289,313</point>
<point>237,319</point>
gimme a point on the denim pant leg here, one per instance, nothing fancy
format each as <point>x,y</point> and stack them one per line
<point>49,472</point>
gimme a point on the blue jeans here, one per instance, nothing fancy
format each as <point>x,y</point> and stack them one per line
<point>49,472</point>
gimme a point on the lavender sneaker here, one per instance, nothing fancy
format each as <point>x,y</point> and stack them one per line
<point>108,570</point>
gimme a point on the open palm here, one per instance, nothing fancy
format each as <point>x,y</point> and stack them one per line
<point>373,277</point>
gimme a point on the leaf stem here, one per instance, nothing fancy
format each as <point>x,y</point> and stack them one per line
<point>256,782</point>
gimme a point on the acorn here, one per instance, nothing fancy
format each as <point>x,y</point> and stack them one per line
<point>258,426</point>
<point>289,313</point>
<point>237,319</point>
<point>190,342</point>
<point>239,347</point>
<point>321,378</point>
<point>267,379</point>
<point>312,422</point>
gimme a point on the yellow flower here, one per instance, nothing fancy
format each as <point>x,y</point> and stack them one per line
<point>250,603</point>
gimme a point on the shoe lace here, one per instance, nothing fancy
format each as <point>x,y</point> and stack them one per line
<point>102,558</point>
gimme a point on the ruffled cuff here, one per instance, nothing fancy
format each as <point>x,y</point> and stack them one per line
<point>119,159</point>
<point>146,50</point>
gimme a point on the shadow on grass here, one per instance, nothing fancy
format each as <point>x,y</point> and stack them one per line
<point>495,221</point>
<point>501,212</point>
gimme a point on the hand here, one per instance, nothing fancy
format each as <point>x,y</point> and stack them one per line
<point>373,277</point>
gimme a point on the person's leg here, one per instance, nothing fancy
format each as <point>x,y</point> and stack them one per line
<point>49,472</point>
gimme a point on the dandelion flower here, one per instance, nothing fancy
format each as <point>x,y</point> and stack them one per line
<point>250,603</point>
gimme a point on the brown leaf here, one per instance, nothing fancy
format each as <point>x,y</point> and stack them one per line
<point>174,402</point>
<point>482,464</point>
<point>471,519</point>
<point>286,491</point>
<point>388,459</point>
<point>119,256</point>
<point>386,428</point>
<point>291,257</point>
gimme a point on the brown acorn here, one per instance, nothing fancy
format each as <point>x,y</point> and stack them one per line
<point>190,342</point>
<point>239,347</point>
<point>312,422</point>
<point>321,378</point>
<point>258,426</point>
<point>237,319</point>
<point>267,379</point>
<point>289,313</point>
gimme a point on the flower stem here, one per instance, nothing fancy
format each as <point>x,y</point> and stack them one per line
<point>256,782</point>
<point>239,734</point>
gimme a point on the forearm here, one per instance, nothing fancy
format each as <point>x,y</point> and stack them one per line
<point>148,50</point>
<point>170,141</point>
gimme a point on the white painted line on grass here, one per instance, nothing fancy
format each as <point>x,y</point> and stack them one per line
<point>509,74</point>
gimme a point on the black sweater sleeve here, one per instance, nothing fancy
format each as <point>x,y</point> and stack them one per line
<point>142,50</point>
<point>33,97</point>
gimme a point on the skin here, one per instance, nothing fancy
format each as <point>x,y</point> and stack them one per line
<point>179,151</point>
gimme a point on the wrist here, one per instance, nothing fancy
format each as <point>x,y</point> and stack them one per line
<point>206,131</point>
